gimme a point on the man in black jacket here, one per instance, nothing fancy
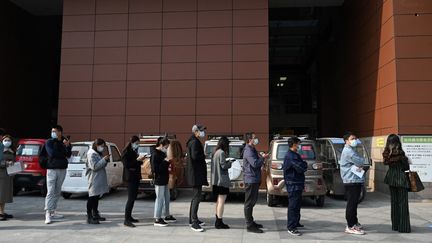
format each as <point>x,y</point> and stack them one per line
<point>196,173</point>
<point>59,150</point>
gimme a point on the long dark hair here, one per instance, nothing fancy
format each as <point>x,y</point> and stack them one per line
<point>96,143</point>
<point>223,144</point>
<point>128,146</point>
<point>162,141</point>
<point>393,149</point>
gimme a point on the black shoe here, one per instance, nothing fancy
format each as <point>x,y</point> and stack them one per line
<point>254,229</point>
<point>128,223</point>
<point>259,226</point>
<point>219,224</point>
<point>97,216</point>
<point>8,216</point>
<point>199,222</point>
<point>294,232</point>
<point>133,220</point>
<point>170,219</point>
<point>299,225</point>
<point>91,220</point>
<point>196,227</point>
<point>160,222</point>
<point>3,217</point>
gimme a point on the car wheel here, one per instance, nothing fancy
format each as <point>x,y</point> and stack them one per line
<point>271,200</point>
<point>173,194</point>
<point>44,190</point>
<point>16,190</point>
<point>320,201</point>
<point>66,195</point>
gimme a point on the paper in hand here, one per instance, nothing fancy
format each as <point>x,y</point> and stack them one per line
<point>357,171</point>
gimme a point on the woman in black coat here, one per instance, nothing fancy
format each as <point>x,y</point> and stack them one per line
<point>132,175</point>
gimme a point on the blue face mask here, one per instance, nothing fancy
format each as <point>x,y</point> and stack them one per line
<point>54,135</point>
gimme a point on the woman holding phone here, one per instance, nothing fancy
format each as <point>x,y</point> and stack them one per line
<point>132,175</point>
<point>97,178</point>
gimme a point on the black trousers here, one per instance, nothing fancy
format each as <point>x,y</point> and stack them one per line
<point>251,197</point>
<point>294,206</point>
<point>196,199</point>
<point>92,205</point>
<point>352,192</point>
<point>400,210</point>
<point>132,195</point>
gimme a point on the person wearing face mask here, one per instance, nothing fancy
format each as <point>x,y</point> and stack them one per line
<point>6,181</point>
<point>160,165</point>
<point>349,161</point>
<point>294,168</point>
<point>132,175</point>
<point>252,163</point>
<point>196,173</point>
<point>97,179</point>
<point>58,150</point>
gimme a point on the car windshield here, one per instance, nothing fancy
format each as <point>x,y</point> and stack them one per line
<point>305,150</point>
<point>360,149</point>
<point>28,150</point>
<point>79,154</point>
<point>235,151</point>
<point>144,150</point>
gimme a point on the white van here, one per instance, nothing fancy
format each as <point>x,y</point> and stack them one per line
<point>76,180</point>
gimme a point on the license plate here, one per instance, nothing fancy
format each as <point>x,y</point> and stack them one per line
<point>74,173</point>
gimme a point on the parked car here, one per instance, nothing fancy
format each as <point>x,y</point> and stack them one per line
<point>236,147</point>
<point>76,181</point>
<point>147,144</point>
<point>329,153</point>
<point>33,176</point>
<point>315,187</point>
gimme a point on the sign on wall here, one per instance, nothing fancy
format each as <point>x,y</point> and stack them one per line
<point>419,150</point>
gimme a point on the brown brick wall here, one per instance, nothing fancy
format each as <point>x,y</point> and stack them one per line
<point>155,66</point>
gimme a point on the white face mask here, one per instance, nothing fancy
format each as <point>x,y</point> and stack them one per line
<point>164,150</point>
<point>255,141</point>
<point>202,134</point>
<point>100,149</point>
<point>54,135</point>
<point>135,146</point>
<point>7,143</point>
<point>354,143</point>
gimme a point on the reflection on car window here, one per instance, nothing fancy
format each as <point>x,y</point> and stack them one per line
<point>115,154</point>
<point>306,151</point>
<point>235,151</point>
<point>144,150</point>
<point>79,154</point>
<point>28,149</point>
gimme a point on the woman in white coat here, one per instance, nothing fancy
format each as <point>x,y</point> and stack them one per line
<point>97,178</point>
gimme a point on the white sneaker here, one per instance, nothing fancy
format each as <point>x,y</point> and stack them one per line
<point>48,218</point>
<point>354,230</point>
<point>55,216</point>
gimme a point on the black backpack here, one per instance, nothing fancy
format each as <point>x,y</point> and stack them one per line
<point>43,158</point>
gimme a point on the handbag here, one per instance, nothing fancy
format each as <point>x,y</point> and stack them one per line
<point>414,181</point>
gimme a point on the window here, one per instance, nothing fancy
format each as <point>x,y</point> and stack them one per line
<point>235,151</point>
<point>28,150</point>
<point>144,150</point>
<point>306,151</point>
<point>115,154</point>
<point>79,154</point>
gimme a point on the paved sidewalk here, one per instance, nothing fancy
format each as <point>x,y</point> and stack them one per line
<point>322,224</point>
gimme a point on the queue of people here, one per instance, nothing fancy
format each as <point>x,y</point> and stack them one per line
<point>168,154</point>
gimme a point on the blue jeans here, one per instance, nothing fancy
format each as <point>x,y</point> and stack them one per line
<point>162,201</point>
<point>294,206</point>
